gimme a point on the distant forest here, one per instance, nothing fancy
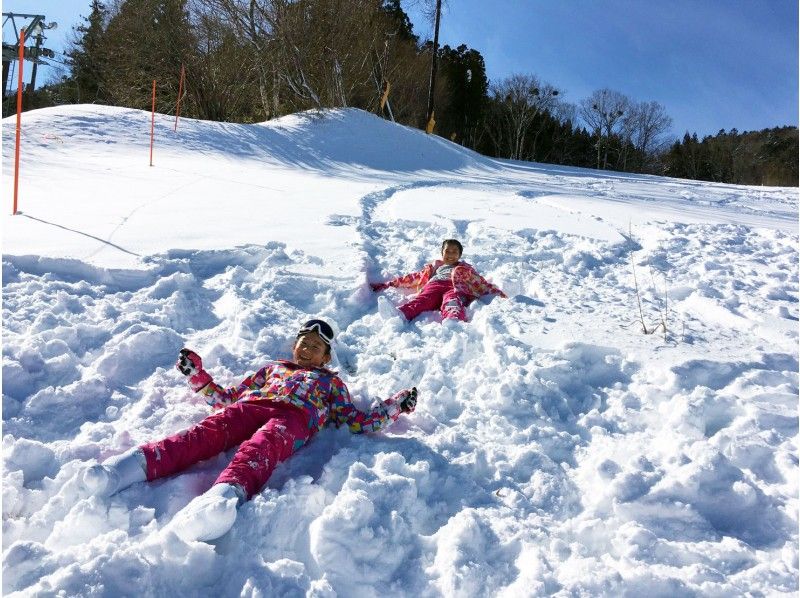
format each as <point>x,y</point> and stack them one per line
<point>254,60</point>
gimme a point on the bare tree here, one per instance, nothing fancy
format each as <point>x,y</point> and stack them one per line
<point>404,67</point>
<point>320,53</point>
<point>564,112</point>
<point>646,123</point>
<point>518,100</point>
<point>602,112</point>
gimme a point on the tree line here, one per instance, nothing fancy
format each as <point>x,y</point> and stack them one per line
<point>253,60</point>
<point>767,157</point>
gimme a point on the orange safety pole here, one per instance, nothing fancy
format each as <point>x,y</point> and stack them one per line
<point>153,123</point>
<point>19,116</point>
<point>180,93</point>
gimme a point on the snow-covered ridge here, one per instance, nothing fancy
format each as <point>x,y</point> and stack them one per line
<point>314,140</point>
<point>555,449</point>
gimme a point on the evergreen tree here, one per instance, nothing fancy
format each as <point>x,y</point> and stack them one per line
<point>396,14</point>
<point>464,76</point>
<point>87,59</point>
<point>147,40</point>
<point>767,157</point>
<point>779,157</point>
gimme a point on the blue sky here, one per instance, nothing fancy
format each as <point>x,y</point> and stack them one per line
<point>713,64</point>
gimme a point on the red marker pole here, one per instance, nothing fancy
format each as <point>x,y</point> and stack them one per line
<point>153,123</point>
<point>19,116</point>
<point>180,93</point>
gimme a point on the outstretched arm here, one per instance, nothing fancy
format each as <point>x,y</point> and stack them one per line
<point>494,290</point>
<point>413,280</point>
<point>467,281</point>
<point>190,364</point>
<point>386,412</point>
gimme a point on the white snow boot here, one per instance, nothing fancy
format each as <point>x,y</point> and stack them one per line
<point>116,473</point>
<point>210,515</point>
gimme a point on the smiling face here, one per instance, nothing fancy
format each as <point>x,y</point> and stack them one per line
<point>310,351</point>
<point>451,254</point>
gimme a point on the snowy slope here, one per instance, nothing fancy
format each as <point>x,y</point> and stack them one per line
<point>555,449</point>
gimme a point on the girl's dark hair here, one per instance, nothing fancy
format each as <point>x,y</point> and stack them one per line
<point>455,242</point>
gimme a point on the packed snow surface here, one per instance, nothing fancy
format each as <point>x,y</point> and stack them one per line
<point>556,449</point>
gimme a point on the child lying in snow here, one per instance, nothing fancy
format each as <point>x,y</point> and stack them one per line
<point>448,284</point>
<point>271,413</point>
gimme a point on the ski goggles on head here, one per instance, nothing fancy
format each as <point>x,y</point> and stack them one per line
<point>322,328</point>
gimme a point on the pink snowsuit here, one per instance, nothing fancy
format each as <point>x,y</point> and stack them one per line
<point>451,297</point>
<point>270,414</point>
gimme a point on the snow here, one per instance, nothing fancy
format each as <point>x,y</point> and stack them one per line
<point>555,449</point>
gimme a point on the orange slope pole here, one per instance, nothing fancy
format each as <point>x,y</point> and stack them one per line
<point>19,116</point>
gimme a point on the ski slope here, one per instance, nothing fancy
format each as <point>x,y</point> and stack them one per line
<point>555,449</point>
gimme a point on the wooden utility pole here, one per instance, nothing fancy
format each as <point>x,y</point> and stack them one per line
<point>430,120</point>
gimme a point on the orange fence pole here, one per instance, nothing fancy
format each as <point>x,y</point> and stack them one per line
<point>19,116</point>
<point>180,93</point>
<point>153,123</point>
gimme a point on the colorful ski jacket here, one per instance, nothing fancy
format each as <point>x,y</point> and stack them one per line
<point>466,280</point>
<point>319,392</point>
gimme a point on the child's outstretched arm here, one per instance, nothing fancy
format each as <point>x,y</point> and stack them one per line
<point>386,412</point>
<point>467,281</point>
<point>412,280</point>
<point>190,364</point>
<point>494,290</point>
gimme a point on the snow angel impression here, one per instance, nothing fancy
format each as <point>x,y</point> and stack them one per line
<point>448,284</point>
<point>270,415</point>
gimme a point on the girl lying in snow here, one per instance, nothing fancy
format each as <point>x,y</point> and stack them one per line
<point>448,284</point>
<point>271,413</point>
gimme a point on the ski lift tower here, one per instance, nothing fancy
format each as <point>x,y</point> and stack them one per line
<point>35,32</point>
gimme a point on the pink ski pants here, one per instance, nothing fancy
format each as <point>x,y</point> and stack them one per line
<point>438,294</point>
<point>267,431</point>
